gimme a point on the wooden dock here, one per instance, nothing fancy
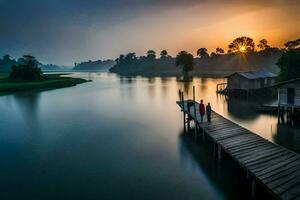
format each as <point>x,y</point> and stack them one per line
<point>276,168</point>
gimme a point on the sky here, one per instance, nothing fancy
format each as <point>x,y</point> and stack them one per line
<point>67,31</point>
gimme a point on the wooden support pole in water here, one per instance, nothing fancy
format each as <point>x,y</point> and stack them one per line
<point>184,119</point>
<point>195,116</point>
<point>215,149</point>
<point>219,152</point>
<point>247,174</point>
<point>253,188</point>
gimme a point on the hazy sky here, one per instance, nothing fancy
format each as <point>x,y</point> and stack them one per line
<point>68,31</point>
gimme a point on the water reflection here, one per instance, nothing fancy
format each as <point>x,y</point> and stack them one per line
<point>242,109</point>
<point>288,136</point>
<point>27,106</point>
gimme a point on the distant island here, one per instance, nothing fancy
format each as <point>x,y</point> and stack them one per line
<point>98,65</point>
<point>242,55</point>
<point>26,74</point>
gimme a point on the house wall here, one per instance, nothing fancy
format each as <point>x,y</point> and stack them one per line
<point>240,82</point>
<point>237,81</point>
<point>283,93</point>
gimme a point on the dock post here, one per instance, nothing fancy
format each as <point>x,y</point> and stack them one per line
<point>184,119</point>
<point>253,187</point>
<point>219,152</point>
<point>195,116</point>
<point>215,149</point>
<point>188,122</point>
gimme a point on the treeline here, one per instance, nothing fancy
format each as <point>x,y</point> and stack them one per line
<point>7,62</point>
<point>94,65</point>
<point>242,55</point>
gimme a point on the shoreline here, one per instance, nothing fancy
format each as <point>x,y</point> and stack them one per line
<point>49,83</point>
<point>171,74</point>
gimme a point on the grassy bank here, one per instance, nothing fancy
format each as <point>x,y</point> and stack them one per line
<point>48,82</point>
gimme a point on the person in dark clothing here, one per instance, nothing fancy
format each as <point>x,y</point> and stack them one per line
<point>208,112</point>
<point>201,110</point>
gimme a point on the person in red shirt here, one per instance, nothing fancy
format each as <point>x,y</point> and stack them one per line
<point>201,110</point>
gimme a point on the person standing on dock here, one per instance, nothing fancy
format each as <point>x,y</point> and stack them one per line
<point>201,110</point>
<point>208,112</point>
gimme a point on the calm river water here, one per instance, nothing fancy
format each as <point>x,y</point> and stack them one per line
<point>119,138</point>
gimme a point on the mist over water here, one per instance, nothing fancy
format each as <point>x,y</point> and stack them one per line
<point>119,138</point>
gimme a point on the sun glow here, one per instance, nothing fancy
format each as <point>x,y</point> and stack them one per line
<point>242,49</point>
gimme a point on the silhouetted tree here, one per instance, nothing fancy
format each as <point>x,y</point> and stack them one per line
<point>263,45</point>
<point>292,44</point>
<point>27,71</point>
<point>151,54</point>
<point>289,64</point>
<point>186,61</point>
<point>202,53</point>
<point>164,54</point>
<point>130,57</point>
<point>6,59</point>
<point>213,54</point>
<point>241,44</point>
<point>220,51</point>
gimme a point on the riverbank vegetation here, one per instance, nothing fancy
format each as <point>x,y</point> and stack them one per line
<point>94,65</point>
<point>242,55</point>
<point>289,64</point>
<point>6,62</point>
<point>28,76</point>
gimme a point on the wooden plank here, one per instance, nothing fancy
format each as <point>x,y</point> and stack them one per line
<point>278,168</point>
<point>256,168</point>
<point>265,160</point>
<point>248,148</point>
<point>238,140</point>
<point>235,129</point>
<point>229,135</point>
<point>218,126</point>
<point>280,175</point>
<point>258,149</point>
<point>256,157</point>
<point>241,146</point>
<point>230,144</point>
<point>223,129</point>
<point>285,183</point>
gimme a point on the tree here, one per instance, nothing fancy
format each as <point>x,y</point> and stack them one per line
<point>129,57</point>
<point>6,59</point>
<point>289,64</point>
<point>164,54</point>
<point>213,54</point>
<point>242,45</point>
<point>186,61</point>
<point>263,45</point>
<point>220,51</point>
<point>292,44</point>
<point>151,54</point>
<point>27,71</point>
<point>202,53</point>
